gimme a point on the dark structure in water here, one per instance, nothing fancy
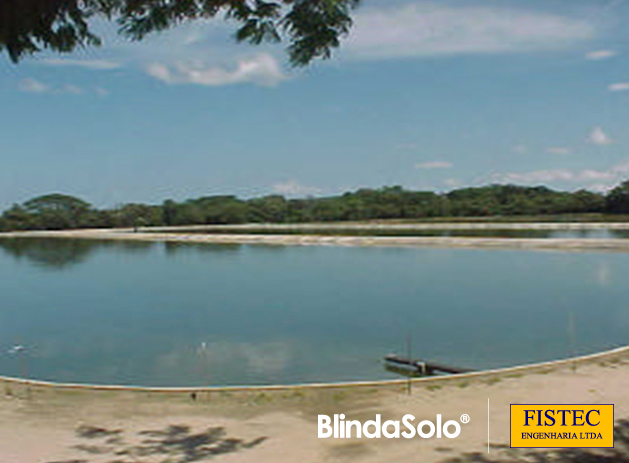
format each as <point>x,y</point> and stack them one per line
<point>409,367</point>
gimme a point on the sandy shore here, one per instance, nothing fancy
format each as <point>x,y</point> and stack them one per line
<point>367,226</point>
<point>173,235</point>
<point>42,424</point>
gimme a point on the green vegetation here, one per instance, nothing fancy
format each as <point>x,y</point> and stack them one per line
<point>494,202</point>
<point>617,200</point>
<point>312,28</point>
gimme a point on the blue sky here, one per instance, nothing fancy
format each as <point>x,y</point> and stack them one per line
<point>428,95</point>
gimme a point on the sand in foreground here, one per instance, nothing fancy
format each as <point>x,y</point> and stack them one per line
<point>46,425</point>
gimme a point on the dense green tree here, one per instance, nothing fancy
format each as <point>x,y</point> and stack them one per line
<point>312,28</point>
<point>584,201</point>
<point>169,212</point>
<point>16,218</point>
<point>273,208</point>
<point>56,202</point>
<point>137,215</point>
<point>617,201</point>
<point>518,200</point>
<point>57,211</point>
<point>61,211</point>
<point>187,213</point>
<point>220,209</point>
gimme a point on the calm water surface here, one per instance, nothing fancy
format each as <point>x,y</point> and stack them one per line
<point>463,233</point>
<point>183,314</point>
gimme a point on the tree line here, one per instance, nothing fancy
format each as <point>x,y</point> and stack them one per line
<point>58,211</point>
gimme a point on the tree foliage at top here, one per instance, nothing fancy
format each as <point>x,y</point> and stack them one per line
<point>56,210</point>
<point>56,202</point>
<point>312,28</point>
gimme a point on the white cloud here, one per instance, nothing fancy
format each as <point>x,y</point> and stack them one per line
<point>619,87</point>
<point>521,149</point>
<point>262,69</point>
<point>559,150</point>
<point>100,65</point>
<point>73,89</point>
<point>621,169</point>
<point>536,176</point>
<point>201,53</point>
<point>293,188</point>
<point>613,175</point>
<point>600,187</point>
<point>599,55</point>
<point>430,29</point>
<point>33,86</point>
<point>595,175</point>
<point>452,182</point>
<point>598,137</point>
<point>434,165</point>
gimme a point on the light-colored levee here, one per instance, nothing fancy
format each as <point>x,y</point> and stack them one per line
<point>615,354</point>
<point>378,226</point>
<point>559,244</point>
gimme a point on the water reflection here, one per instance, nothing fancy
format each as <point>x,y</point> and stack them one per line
<point>621,234</point>
<point>62,253</point>
<point>54,253</point>
<point>48,253</point>
<point>179,247</point>
<point>227,362</point>
<point>603,274</point>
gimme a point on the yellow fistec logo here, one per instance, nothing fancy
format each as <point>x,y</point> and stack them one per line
<point>554,426</point>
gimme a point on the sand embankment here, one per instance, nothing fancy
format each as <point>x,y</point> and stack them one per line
<point>45,424</point>
<point>177,234</point>
<point>381,226</point>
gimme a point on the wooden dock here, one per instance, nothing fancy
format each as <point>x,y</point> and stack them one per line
<point>419,367</point>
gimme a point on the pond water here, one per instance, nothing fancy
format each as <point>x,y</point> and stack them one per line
<point>197,314</point>
<point>602,233</point>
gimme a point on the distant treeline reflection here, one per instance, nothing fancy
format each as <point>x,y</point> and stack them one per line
<point>57,253</point>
